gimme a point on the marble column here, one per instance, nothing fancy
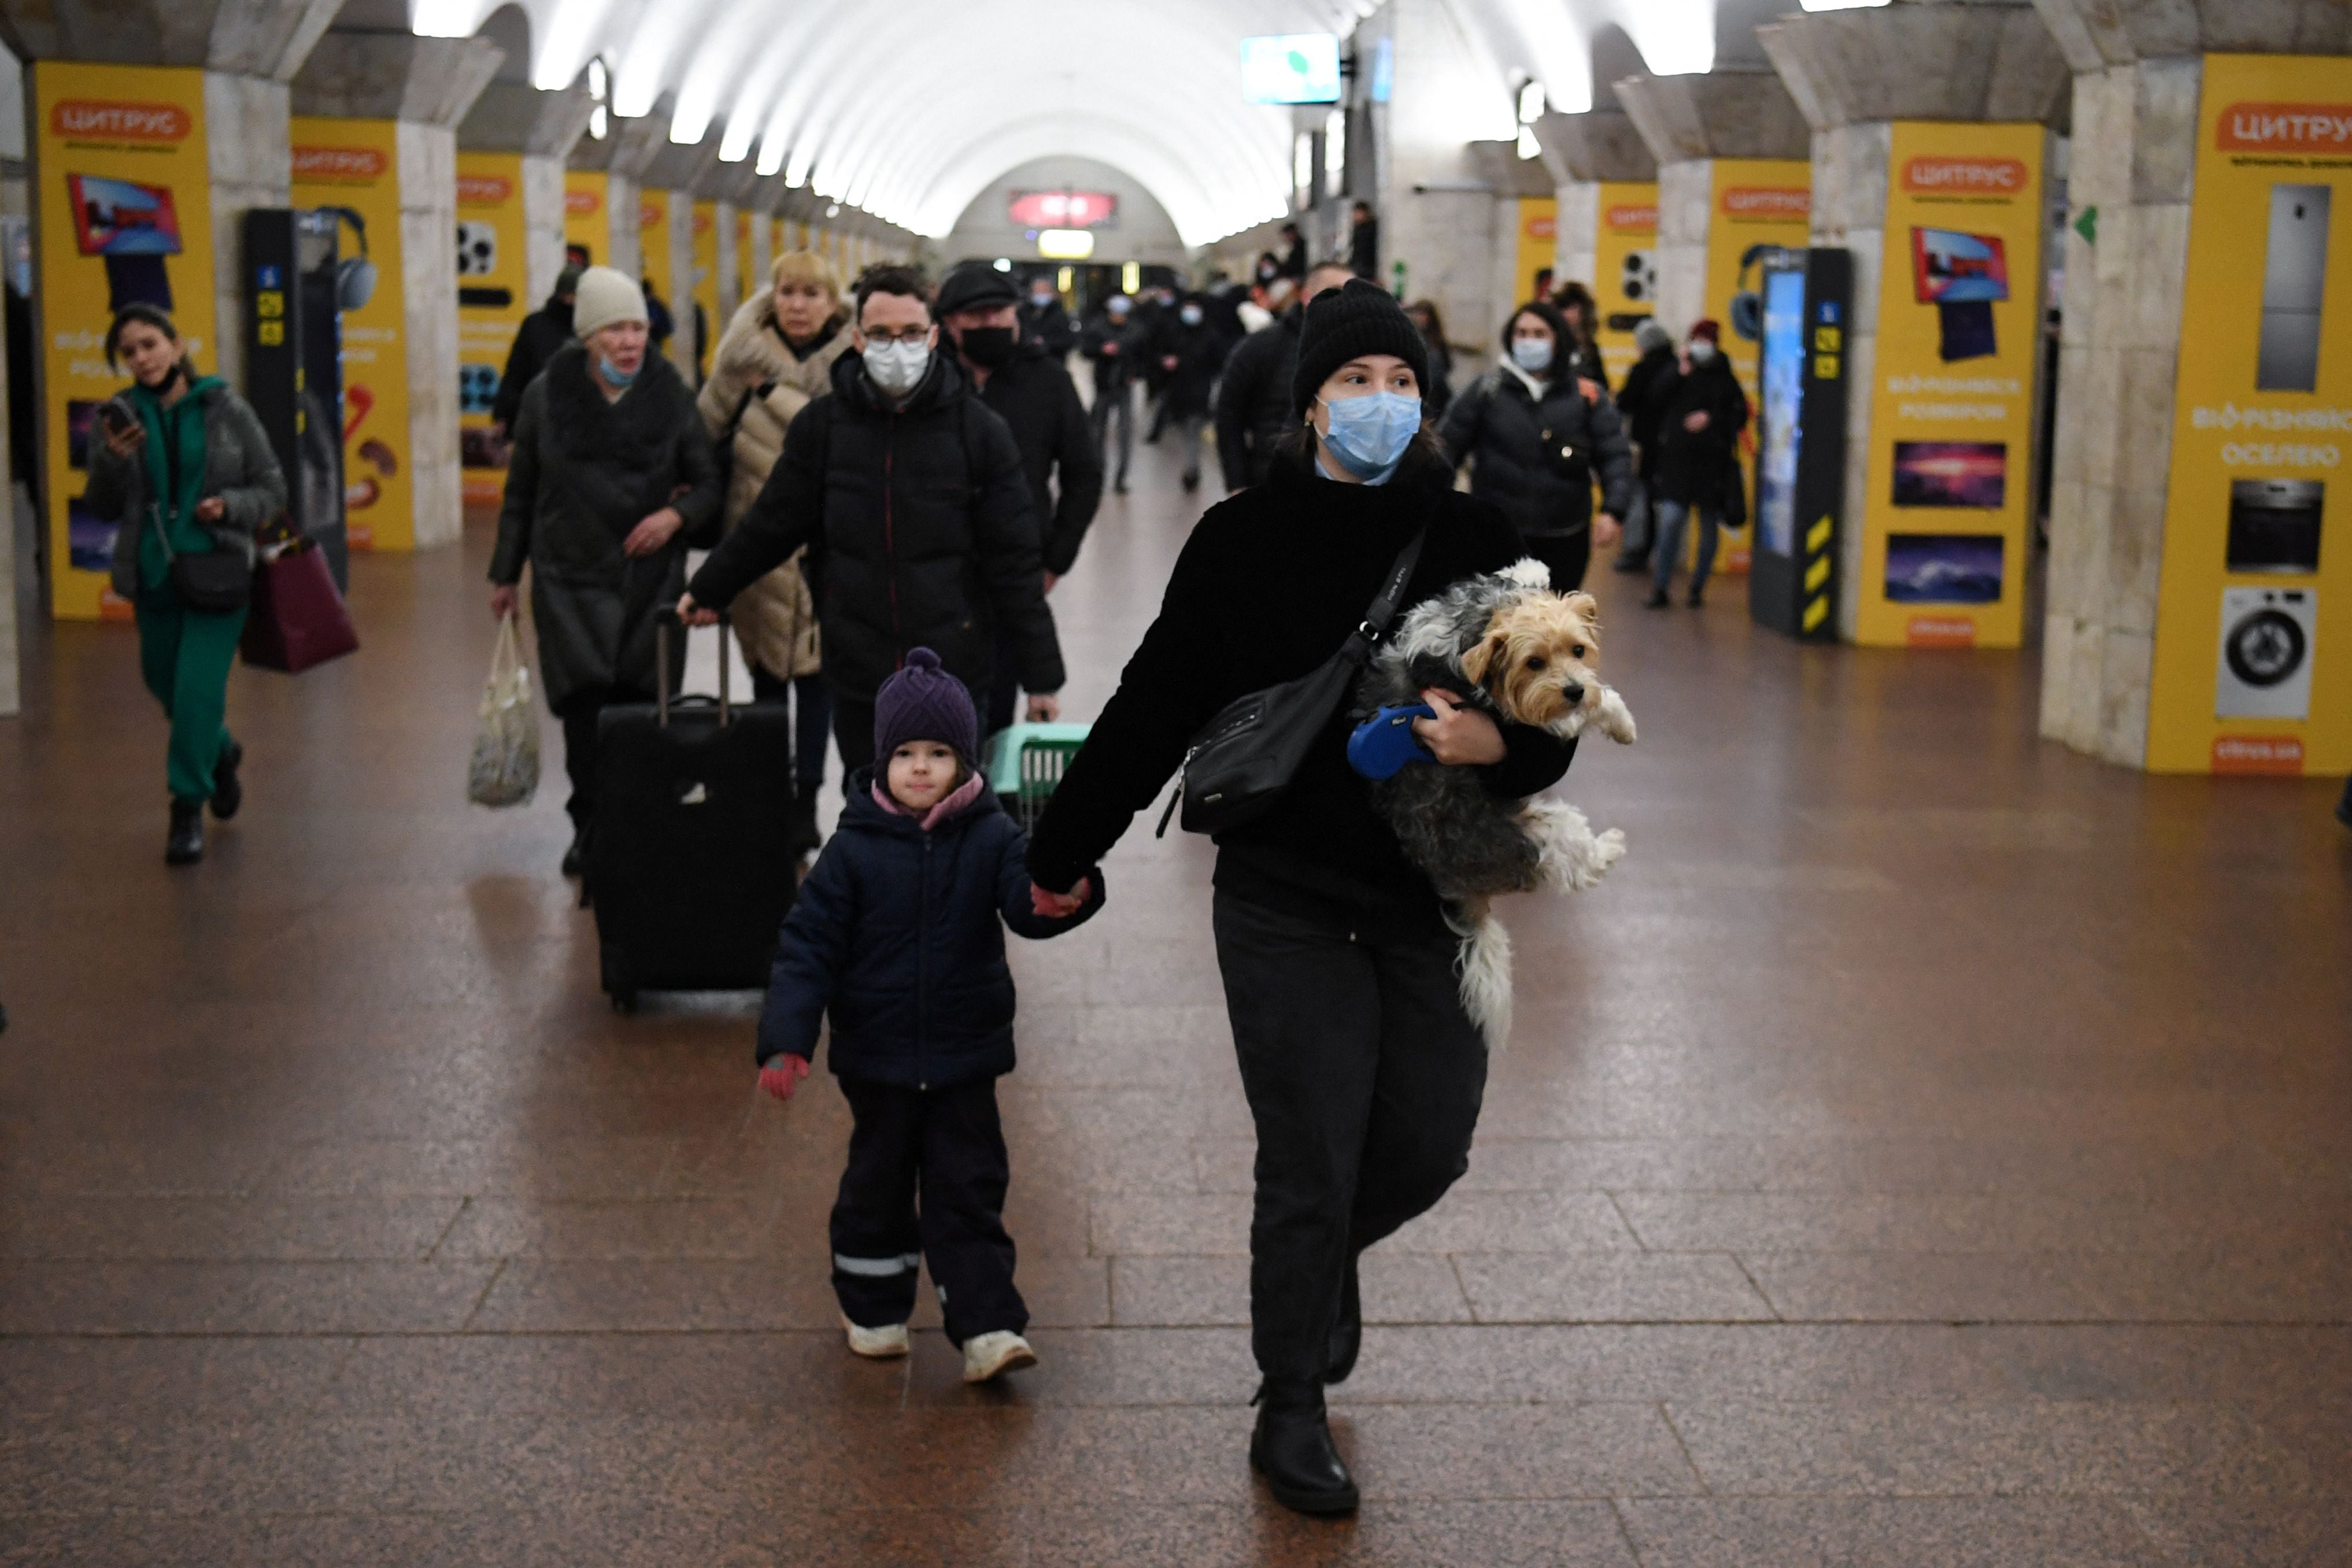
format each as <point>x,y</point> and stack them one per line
<point>732,188</point>
<point>1854,73</point>
<point>543,127</point>
<point>425,86</point>
<point>1582,152</point>
<point>2138,71</point>
<point>1688,122</point>
<point>621,156</point>
<point>677,170</point>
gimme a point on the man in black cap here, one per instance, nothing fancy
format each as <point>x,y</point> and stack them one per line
<point>1023,381</point>
<point>1253,398</point>
<point>543,332</point>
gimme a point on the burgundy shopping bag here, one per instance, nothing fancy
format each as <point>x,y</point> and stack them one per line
<point>298,619</point>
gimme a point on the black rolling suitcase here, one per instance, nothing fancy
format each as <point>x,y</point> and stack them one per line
<point>691,868</point>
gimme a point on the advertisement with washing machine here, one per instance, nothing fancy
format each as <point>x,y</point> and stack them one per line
<point>1757,201</point>
<point>2253,671</point>
<point>1624,270</point>
<point>122,194</point>
<point>492,303</point>
<point>1948,488</point>
<point>352,167</point>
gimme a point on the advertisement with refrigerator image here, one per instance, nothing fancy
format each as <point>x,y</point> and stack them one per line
<point>1625,271</point>
<point>2245,679</point>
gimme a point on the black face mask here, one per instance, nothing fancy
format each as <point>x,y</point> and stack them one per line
<point>991,348</point>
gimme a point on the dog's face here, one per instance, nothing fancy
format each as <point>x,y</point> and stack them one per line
<point>1539,659</point>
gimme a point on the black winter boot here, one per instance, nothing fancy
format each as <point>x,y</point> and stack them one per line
<point>801,836</point>
<point>1292,1449</point>
<point>185,846</point>
<point>1348,1330</point>
<point>1698,600</point>
<point>1657,600</point>
<point>227,794</point>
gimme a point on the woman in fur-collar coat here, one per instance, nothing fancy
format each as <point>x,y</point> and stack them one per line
<point>610,481</point>
<point>775,358</point>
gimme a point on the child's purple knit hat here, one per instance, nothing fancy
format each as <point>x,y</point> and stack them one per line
<point>924,702</point>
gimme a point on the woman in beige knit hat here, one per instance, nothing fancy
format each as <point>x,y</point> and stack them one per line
<point>776,357</point>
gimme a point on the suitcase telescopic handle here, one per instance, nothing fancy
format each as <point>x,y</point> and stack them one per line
<point>663,617</point>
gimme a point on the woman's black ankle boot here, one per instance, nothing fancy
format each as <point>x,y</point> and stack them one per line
<point>1292,1449</point>
<point>185,846</point>
<point>227,793</point>
<point>1348,1330</point>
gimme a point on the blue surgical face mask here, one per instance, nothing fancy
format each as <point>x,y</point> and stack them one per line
<point>1190,315</point>
<point>612,374</point>
<point>1368,435</point>
<point>1532,355</point>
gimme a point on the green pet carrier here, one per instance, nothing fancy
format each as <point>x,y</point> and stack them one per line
<point>1026,761</point>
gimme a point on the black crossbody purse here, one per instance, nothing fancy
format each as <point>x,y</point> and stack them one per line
<point>212,582</point>
<point>1243,760</point>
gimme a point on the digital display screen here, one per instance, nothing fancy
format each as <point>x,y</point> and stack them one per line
<point>1968,475</point>
<point>116,217</point>
<point>1291,68</point>
<point>1062,209</point>
<point>1944,568</point>
<point>1948,268</point>
<point>1783,376</point>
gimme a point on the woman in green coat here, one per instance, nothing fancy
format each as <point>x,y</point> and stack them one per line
<point>185,467</point>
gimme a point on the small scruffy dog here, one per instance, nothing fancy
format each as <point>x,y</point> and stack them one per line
<point>1507,646</point>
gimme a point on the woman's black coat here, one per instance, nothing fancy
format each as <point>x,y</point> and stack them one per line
<point>1640,399</point>
<point>585,471</point>
<point>1270,582</point>
<point>1518,444</point>
<point>1695,467</point>
<point>1199,352</point>
<point>899,935</point>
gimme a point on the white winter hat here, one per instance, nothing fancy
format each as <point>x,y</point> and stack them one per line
<point>605,295</point>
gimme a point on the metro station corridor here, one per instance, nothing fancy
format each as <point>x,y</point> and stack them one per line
<point>1926,1146</point>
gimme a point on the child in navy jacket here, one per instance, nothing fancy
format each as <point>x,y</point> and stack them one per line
<point>899,935</point>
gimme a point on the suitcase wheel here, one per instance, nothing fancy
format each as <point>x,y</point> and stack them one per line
<point>619,983</point>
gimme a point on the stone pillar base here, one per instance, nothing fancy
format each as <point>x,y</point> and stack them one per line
<point>428,215</point>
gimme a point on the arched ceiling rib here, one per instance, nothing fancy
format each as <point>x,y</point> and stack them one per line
<point>909,110</point>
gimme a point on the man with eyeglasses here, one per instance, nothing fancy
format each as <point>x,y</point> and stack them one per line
<point>910,496</point>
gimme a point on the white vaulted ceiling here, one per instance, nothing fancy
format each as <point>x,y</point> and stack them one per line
<point>909,108</point>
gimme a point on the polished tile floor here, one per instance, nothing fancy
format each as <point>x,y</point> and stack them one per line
<point>1928,1147</point>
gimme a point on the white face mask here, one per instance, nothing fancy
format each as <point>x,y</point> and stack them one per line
<point>1701,351</point>
<point>1190,315</point>
<point>898,368</point>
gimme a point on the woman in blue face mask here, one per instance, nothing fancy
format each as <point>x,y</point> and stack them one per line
<point>1362,1073</point>
<point>1538,437</point>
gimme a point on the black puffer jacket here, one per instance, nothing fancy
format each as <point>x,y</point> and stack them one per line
<point>1254,401</point>
<point>1643,398</point>
<point>543,332</point>
<point>1269,585</point>
<point>921,529</point>
<point>1517,442</point>
<point>1197,350</point>
<point>1035,395</point>
<point>899,935</point>
<point>583,473</point>
<point>1694,467</point>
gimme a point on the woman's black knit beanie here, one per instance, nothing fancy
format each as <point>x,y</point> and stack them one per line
<point>1357,318</point>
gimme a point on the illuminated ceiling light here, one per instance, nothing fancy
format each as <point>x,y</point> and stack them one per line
<point>834,210</point>
<point>1531,102</point>
<point>443,19</point>
<point>600,123</point>
<point>1004,264</point>
<point>1839,4</point>
<point>1528,146</point>
<point>1065,244</point>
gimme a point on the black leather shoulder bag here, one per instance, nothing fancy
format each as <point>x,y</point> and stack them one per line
<point>212,582</point>
<point>1243,760</point>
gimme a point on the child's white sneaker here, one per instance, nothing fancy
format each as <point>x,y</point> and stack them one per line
<point>882,1344</point>
<point>986,1356</point>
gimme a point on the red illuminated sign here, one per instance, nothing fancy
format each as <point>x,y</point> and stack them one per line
<point>1062,209</point>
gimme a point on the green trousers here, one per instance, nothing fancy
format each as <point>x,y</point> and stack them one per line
<point>186,657</point>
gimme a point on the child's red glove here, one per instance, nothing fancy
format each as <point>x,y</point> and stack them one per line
<point>784,1075</point>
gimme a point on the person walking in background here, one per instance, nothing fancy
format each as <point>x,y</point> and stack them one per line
<point>1043,320</point>
<point>910,496</point>
<point>1032,392</point>
<point>1115,345</point>
<point>1363,1073</point>
<point>899,935</point>
<point>184,469</point>
<point>1699,421</point>
<point>611,479</point>
<point>1438,395</point>
<point>1188,351</point>
<point>543,332</point>
<point>1364,242</point>
<point>1253,409</point>
<point>659,324</point>
<point>1639,404</point>
<point>1292,264</point>
<point>1580,350</point>
<point>1536,440</point>
<point>774,359</point>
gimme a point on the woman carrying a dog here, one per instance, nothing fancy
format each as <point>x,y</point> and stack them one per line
<point>1363,1073</point>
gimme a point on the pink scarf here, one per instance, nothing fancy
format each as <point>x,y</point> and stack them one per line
<point>963,795</point>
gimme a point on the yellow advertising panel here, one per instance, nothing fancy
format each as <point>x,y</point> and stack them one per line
<point>1949,474</point>
<point>2248,676</point>
<point>123,200</point>
<point>746,284</point>
<point>704,291</point>
<point>1757,201</point>
<point>1538,231</point>
<point>1624,270</point>
<point>491,304</point>
<point>653,246</point>
<point>587,221</point>
<point>354,164</point>
<point>779,236</point>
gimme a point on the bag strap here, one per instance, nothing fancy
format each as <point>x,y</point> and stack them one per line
<point>1392,596</point>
